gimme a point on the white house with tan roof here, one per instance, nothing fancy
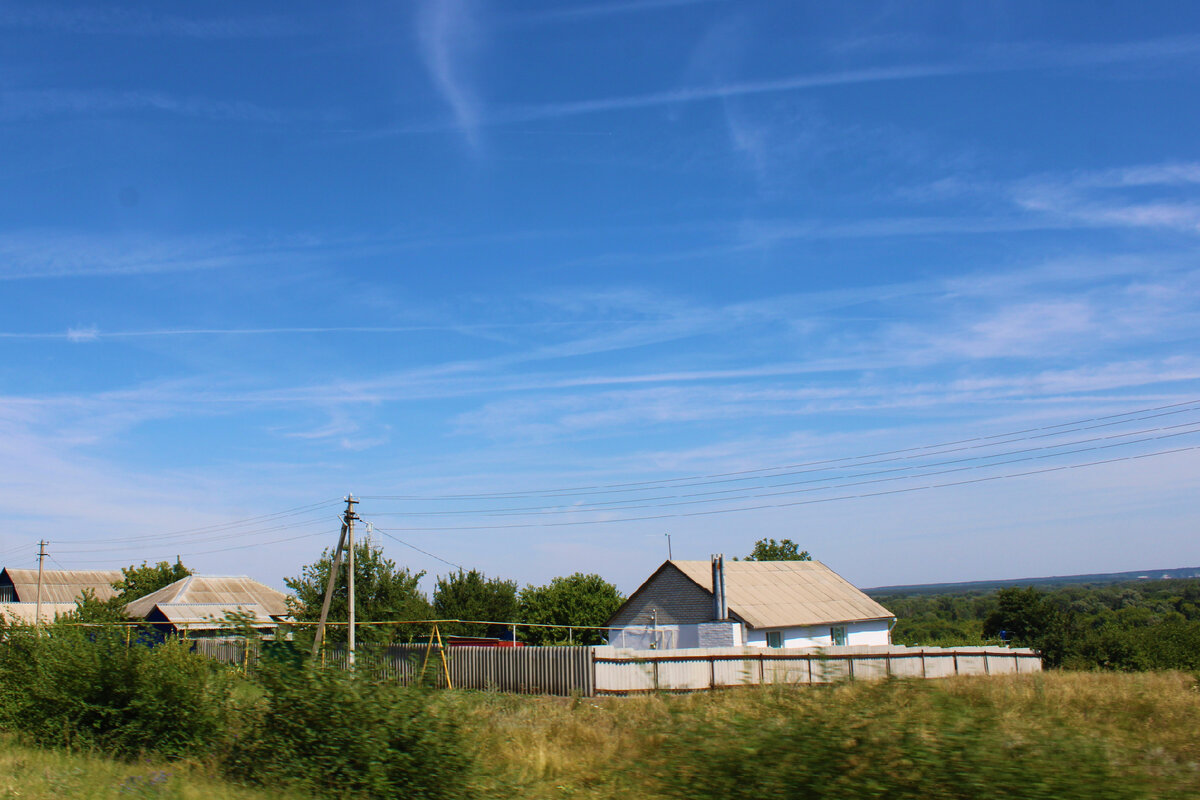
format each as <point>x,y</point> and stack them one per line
<point>757,604</point>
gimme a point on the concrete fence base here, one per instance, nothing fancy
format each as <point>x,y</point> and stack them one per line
<point>622,671</point>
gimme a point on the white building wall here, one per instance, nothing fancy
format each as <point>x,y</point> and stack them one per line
<point>671,637</point>
<point>865,632</point>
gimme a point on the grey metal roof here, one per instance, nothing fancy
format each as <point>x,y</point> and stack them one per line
<point>62,585</point>
<point>209,615</point>
<point>25,613</point>
<point>231,591</point>
<point>780,594</point>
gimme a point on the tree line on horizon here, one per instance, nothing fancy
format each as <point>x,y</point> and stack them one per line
<point>1142,625</point>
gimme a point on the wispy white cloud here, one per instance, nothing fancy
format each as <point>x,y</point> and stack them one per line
<point>988,59</point>
<point>111,20</point>
<point>20,104</point>
<point>584,11</point>
<point>448,31</point>
<point>1116,197</point>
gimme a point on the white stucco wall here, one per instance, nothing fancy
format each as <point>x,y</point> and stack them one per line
<point>868,632</point>
<point>671,637</point>
<point>658,637</point>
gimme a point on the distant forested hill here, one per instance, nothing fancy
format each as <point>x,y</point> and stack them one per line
<point>1048,582</point>
<point>1079,624</point>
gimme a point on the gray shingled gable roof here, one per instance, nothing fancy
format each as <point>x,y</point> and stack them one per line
<point>781,594</point>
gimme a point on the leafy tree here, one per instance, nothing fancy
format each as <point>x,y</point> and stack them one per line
<point>140,581</point>
<point>1024,615</point>
<point>470,595</point>
<point>783,550</point>
<point>382,591</point>
<point>136,582</point>
<point>574,600</point>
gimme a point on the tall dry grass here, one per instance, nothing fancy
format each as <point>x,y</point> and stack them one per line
<point>1134,735</point>
<point>31,773</point>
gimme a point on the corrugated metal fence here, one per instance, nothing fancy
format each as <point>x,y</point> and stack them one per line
<point>525,670</point>
<point>590,671</point>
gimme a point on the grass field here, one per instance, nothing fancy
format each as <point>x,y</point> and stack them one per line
<point>1097,734</point>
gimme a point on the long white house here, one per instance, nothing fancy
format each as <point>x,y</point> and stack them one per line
<point>757,603</point>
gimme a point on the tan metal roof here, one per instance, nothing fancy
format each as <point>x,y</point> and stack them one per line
<point>780,594</point>
<point>62,585</point>
<point>232,591</point>
<point>24,613</point>
<point>209,615</point>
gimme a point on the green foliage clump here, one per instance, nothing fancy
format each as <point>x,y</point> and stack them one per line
<point>898,740</point>
<point>1124,626</point>
<point>471,595</point>
<point>136,582</point>
<point>342,734</point>
<point>783,550</point>
<point>147,579</point>
<point>89,688</point>
<point>574,600</point>
<point>382,591</point>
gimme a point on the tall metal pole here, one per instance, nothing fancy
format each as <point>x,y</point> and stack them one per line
<point>37,613</point>
<point>670,556</point>
<point>350,517</point>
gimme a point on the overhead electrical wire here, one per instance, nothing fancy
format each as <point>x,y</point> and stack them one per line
<point>394,538</point>
<point>746,491</point>
<point>984,479</point>
<point>256,526</point>
<point>221,526</point>
<point>1044,431</point>
<point>241,534</point>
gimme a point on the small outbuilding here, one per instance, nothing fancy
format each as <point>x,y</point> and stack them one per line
<point>199,605</point>
<point>756,603</point>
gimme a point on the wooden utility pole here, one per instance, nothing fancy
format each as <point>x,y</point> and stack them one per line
<point>37,613</point>
<point>335,567</point>
<point>350,517</point>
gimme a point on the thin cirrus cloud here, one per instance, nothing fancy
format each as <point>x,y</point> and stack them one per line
<point>438,27</point>
<point>135,22</point>
<point>22,104</point>
<point>448,33</point>
<point>1099,198</point>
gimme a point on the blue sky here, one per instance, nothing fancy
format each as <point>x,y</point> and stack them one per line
<point>256,257</point>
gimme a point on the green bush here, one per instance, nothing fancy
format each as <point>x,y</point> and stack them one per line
<point>343,734</point>
<point>899,740</point>
<point>88,688</point>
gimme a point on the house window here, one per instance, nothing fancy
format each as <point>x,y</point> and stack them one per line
<point>774,639</point>
<point>838,634</point>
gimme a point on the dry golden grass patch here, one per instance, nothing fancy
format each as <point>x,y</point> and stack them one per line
<point>1148,725</point>
<point>36,774</point>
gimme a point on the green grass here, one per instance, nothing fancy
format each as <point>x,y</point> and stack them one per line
<point>1053,735</point>
<point>36,774</point>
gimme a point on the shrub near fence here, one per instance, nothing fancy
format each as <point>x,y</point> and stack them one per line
<point>77,687</point>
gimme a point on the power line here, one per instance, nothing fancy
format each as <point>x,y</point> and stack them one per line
<point>747,491</point>
<point>394,538</point>
<point>120,546</point>
<point>290,512</point>
<point>1054,430</point>
<point>573,523</point>
<point>220,550</point>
